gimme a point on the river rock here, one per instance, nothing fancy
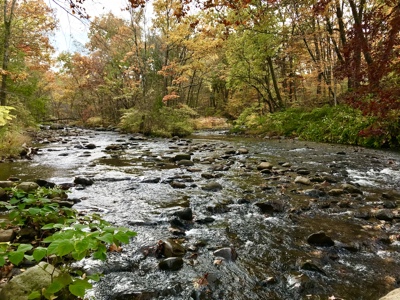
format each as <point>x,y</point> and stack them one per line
<point>242,151</point>
<point>384,214</point>
<point>302,171</point>
<point>28,186</point>
<point>83,181</point>
<point>207,175</point>
<point>151,180</point>
<point>90,146</point>
<point>6,235</point>
<point>177,185</point>
<point>181,156</point>
<point>173,249</point>
<point>185,163</point>
<point>212,187</point>
<point>302,180</point>
<point>389,204</point>
<point>33,279</point>
<point>320,239</point>
<point>45,183</point>
<point>393,295</point>
<point>229,254</point>
<point>351,189</point>
<point>312,266</point>
<point>171,264</point>
<point>335,192</point>
<point>271,206</point>
<point>114,147</point>
<point>264,165</point>
<point>205,220</point>
<point>2,193</point>
<point>185,214</point>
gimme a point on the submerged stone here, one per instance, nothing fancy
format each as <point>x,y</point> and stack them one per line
<point>212,187</point>
<point>320,239</point>
<point>171,264</point>
<point>229,254</point>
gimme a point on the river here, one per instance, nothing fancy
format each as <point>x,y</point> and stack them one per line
<point>251,234</point>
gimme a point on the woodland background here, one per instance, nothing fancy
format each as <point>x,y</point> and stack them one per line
<point>326,70</point>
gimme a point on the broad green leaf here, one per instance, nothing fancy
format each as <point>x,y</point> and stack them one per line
<point>79,287</point>
<point>122,237</point>
<point>14,214</point>
<point>78,255</point>
<point>100,255</point>
<point>82,245</point>
<point>34,211</point>
<point>110,229</point>
<point>24,247</point>
<point>34,295</point>
<point>52,248</point>
<point>48,226</point>
<point>39,253</point>
<point>65,247</point>
<point>54,287</point>
<point>108,238</point>
<point>94,277</point>
<point>29,257</point>
<point>16,257</point>
<point>2,261</point>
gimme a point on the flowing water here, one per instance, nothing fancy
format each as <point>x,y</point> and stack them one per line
<point>264,217</point>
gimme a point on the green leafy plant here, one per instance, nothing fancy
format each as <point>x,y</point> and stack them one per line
<point>62,237</point>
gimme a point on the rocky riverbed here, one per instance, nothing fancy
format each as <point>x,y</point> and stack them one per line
<point>223,217</point>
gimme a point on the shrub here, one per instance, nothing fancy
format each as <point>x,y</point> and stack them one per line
<point>163,121</point>
<point>62,237</point>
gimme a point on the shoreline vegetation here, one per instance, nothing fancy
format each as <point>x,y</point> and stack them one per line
<point>339,124</point>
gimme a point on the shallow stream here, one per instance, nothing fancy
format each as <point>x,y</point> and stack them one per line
<point>258,214</point>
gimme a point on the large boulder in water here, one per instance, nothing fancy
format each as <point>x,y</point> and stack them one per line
<point>28,186</point>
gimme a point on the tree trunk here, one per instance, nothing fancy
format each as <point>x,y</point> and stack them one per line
<point>6,50</point>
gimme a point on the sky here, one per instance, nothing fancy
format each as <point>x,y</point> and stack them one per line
<point>72,31</point>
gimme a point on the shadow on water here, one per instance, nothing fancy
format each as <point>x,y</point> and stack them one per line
<point>264,216</point>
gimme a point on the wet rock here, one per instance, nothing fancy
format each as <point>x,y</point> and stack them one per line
<point>177,185</point>
<point>185,214</point>
<point>264,165</point>
<point>151,180</point>
<point>320,239</point>
<point>171,264</point>
<point>286,165</point>
<point>344,204</point>
<point>390,204</point>
<point>302,180</point>
<point>185,163</point>
<point>90,146</point>
<point>33,279</point>
<point>393,295</point>
<point>335,192</point>
<point>230,152</point>
<point>384,214</point>
<point>314,193</point>
<point>271,206</point>
<point>114,147</point>
<point>302,171</point>
<point>181,156</point>
<point>176,223</point>
<point>218,208</point>
<point>229,254</point>
<point>172,249</point>
<point>242,151</point>
<point>362,214</point>
<point>6,235</point>
<point>312,266</point>
<point>212,187</point>
<point>28,186</point>
<point>207,175</point>
<point>351,189</point>
<point>45,183</point>
<point>268,281</point>
<point>205,220</point>
<point>83,181</point>
<point>63,202</point>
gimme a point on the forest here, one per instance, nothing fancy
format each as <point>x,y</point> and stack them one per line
<point>326,70</point>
